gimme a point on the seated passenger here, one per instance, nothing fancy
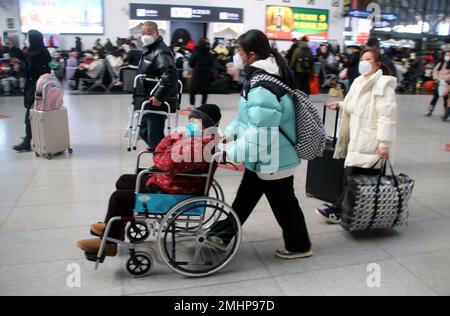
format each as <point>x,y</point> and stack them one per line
<point>12,75</point>
<point>122,201</point>
<point>90,69</point>
<point>116,62</point>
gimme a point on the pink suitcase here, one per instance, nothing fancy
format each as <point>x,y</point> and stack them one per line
<point>50,132</point>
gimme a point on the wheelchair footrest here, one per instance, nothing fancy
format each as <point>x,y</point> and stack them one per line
<point>93,257</point>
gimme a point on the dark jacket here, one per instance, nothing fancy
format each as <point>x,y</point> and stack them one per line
<point>37,60</point>
<point>303,51</point>
<point>202,63</point>
<point>133,57</point>
<point>158,62</point>
<point>353,66</point>
<point>390,64</point>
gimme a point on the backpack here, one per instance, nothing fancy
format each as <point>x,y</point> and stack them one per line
<point>310,132</point>
<point>306,60</point>
<point>49,94</point>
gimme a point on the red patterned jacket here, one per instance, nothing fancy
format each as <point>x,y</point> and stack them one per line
<point>189,148</point>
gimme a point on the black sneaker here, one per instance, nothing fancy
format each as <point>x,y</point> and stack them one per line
<point>289,255</point>
<point>329,214</point>
<point>428,115</point>
<point>25,147</point>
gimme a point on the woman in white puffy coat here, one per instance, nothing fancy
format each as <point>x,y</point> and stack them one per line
<point>369,123</point>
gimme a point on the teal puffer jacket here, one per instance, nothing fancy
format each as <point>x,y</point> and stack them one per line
<point>265,132</point>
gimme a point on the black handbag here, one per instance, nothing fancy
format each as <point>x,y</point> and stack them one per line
<point>376,202</point>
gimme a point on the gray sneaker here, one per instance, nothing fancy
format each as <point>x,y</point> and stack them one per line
<point>289,255</point>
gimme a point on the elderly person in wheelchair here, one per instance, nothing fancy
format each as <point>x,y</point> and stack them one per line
<point>122,201</point>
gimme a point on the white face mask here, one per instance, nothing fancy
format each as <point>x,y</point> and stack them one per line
<point>365,68</point>
<point>27,43</point>
<point>147,40</point>
<point>238,62</point>
<point>447,58</point>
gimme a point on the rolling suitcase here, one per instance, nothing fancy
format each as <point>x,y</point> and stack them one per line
<point>50,130</point>
<point>325,174</point>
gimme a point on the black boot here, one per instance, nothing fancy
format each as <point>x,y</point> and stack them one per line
<point>24,147</point>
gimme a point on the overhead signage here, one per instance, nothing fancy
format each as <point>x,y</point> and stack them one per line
<point>139,11</point>
<point>287,23</point>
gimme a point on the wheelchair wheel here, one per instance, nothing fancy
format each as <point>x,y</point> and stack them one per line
<point>138,232</point>
<point>216,191</point>
<point>139,264</point>
<point>201,236</point>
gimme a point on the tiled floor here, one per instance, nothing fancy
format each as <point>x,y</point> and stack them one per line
<point>45,206</point>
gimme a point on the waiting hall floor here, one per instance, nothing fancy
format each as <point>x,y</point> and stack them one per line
<point>46,206</point>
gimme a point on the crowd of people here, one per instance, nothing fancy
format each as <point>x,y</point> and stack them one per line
<point>368,129</point>
<point>326,70</point>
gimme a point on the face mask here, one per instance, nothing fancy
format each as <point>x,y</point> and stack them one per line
<point>447,58</point>
<point>27,43</point>
<point>192,130</point>
<point>238,63</point>
<point>365,68</point>
<point>147,40</point>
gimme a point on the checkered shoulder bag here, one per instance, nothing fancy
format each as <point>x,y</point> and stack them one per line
<point>311,135</point>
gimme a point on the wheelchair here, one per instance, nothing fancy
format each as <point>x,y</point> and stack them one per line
<point>193,236</point>
<point>137,113</point>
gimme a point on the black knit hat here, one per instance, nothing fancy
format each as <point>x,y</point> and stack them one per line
<point>209,113</point>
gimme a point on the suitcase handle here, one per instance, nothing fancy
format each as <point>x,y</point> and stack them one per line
<point>325,110</point>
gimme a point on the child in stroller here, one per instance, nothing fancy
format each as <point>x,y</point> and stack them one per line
<point>122,201</point>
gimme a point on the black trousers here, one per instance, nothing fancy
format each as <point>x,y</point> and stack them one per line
<point>204,94</point>
<point>28,134</point>
<point>284,204</point>
<point>78,75</point>
<point>351,171</point>
<point>303,80</point>
<point>122,201</point>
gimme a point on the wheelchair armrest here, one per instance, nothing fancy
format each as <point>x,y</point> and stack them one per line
<point>155,170</point>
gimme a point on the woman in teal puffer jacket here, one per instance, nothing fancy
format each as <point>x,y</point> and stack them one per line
<point>263,135</point>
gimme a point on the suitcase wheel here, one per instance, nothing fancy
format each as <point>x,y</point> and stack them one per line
<point>37,155</point>
<point>70,151</point>
<point>49,157</point>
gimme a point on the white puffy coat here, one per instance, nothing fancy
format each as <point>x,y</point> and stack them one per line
<point>369,120</point>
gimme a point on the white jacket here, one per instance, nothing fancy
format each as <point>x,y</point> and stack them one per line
<point>369,120</point>
<point>94,69</point>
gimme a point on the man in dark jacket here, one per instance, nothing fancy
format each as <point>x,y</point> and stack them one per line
<point>302,61</point>
<point>37,59</point>
<point>354,56</point>
<point>202,62</point>
<point>157,62</point>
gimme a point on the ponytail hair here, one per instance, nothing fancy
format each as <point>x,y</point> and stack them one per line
<point>285,71</point>
<point>257,42</point>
